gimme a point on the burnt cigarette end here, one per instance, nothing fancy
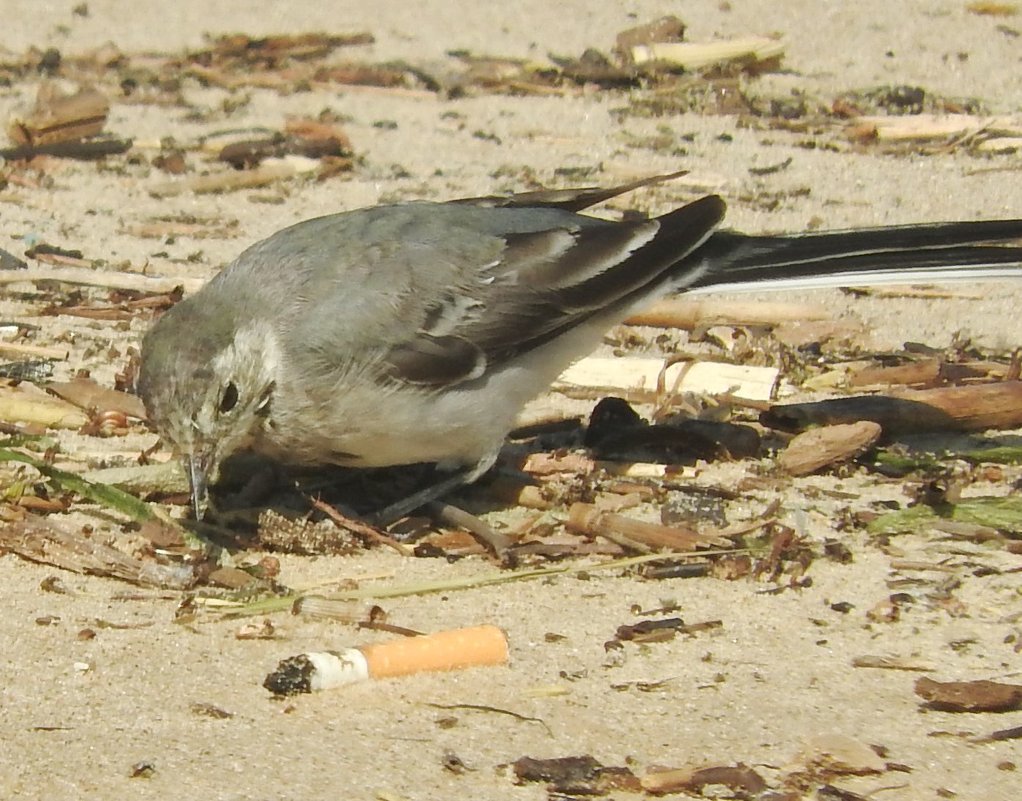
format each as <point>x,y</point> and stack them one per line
<point>293,676</point>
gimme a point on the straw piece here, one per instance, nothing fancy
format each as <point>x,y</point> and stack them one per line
<point>28,404</point>
<point>697,55</point>
<point>691,313</point>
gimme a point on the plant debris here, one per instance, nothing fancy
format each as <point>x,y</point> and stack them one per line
<point>575,775</point>
<point>969,696</point>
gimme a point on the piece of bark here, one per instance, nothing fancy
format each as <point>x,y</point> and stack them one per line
<point>82,149</point>
<point>817,448</point>
<point>558,770</point>
<point>928,372</point>
<point>649,631</point>
<point>976,407</point>
<point>102,278</point>
<point>922,372</point>
<point>1014,733</point>
<point>122,305</point>
<point>43,541</point>
<point>249,153</point>
<point>968,408</point>
<point>636,534</point>
<point>916,127</point>
<point>59,117</point>
<point>969,696</point>
<point>54,254</point>
<point>890,663</point>
<point>839,754</point>
<point>738,777</point>
<point>664,29</point>
<point>574,775</point>
<point>315,130</point>
<point>239,48</point>
<point>269,172</point>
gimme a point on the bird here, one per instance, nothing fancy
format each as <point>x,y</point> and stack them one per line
<point>415,332</point>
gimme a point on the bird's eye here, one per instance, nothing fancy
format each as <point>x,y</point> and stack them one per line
<point>229,399</point>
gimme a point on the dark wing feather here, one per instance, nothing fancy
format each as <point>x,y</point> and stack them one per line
<point>926,251</point>
<point>547,282</point>
<point>435,361</point>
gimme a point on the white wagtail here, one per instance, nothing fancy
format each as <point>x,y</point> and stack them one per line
<point>415,332</point>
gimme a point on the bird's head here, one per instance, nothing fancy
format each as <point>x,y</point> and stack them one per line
<point>206,379</point>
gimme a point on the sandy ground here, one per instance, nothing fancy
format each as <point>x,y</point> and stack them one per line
<point>77,714</point>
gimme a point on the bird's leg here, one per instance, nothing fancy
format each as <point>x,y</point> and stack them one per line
<point>430,496</point>
<point>405,506</point>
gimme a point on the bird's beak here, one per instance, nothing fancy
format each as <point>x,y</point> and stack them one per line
<point>196,466</point>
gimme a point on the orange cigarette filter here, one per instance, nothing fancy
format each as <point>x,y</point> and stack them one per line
<point>445,650</point>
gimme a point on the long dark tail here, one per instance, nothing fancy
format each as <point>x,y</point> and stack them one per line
<point>898,254</point>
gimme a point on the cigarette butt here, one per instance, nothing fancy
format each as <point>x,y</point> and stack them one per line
<point>445,650</point>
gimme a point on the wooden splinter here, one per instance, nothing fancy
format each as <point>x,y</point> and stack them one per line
<point>966,408</point>
<point>635,534</point>
<point>58,117</point>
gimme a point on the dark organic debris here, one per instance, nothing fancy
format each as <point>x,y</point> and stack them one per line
<point>617,432</point>
<point>575,775</point>
<point>740,779</point>
<point>969,696</point>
